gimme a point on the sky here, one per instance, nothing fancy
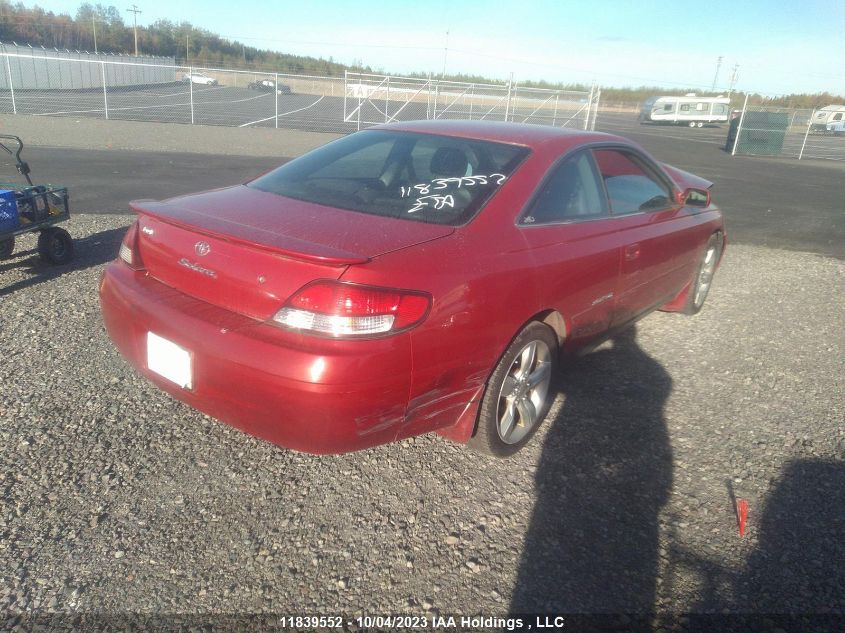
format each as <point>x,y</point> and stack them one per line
<point>780,47</point>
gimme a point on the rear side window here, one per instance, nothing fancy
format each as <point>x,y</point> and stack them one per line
<point>630,185</point>
<point>572,192</point>
<point>419,177</point>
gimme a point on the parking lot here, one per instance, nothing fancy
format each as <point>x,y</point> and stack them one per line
<point>320,105</point>
<point>119,499</point>
<point>818,146</point>
<point>212,105</point>
<point>322,108</point>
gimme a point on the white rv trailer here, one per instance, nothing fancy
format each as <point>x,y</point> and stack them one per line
<point>689,110</point>
<point>828,119</point>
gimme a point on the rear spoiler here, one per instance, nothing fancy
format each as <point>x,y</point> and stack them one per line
<point>251,236</point>
<point>686,180</point>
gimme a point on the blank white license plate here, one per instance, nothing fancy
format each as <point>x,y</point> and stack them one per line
<point>169,360</point>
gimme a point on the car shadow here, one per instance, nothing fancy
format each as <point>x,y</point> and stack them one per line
<point>93,250</point>
<point>604,474</point>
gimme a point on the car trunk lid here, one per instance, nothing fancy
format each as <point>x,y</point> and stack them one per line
<point>247,250</point>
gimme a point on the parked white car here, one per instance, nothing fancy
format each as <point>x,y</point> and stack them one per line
<point>200,78</point>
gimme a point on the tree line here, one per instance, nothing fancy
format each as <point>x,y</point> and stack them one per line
<point>188,44</point>
<point>183,41</point>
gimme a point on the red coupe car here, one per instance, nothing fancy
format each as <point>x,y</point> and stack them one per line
<point>409,278</point>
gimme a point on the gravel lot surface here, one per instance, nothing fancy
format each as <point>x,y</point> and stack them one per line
<point>117,498</point>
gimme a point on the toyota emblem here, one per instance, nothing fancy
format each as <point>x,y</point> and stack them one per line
<point>202,248</point>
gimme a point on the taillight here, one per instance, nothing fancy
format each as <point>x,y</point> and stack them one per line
<point>338,309</point>
<point>129,248</point>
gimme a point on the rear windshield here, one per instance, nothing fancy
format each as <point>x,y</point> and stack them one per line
<point>421,177</point>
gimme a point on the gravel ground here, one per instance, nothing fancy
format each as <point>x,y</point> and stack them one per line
<point>116,498</point>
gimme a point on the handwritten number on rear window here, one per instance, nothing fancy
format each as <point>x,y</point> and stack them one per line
<point>440,201</point>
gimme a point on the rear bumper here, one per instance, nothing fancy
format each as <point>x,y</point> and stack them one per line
<point>308,394</point>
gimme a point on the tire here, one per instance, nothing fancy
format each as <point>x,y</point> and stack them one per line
<point>703,279</point>
<point>55,246</point>
<point>7,247</point>
<point>699,124</point>
<point>518,394</point>
<point>692,123</point>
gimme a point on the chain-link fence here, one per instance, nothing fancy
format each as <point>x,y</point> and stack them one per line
<point>794,133</point>
<point>149,90</point>
<point>101,87</point>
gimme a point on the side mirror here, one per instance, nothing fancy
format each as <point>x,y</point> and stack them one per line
<point>694,198</point>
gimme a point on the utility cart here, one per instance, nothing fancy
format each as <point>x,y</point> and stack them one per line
<point>33,208</point>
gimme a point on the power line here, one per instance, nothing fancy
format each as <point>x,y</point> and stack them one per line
<point>655,81</point>
<point>316,43</point>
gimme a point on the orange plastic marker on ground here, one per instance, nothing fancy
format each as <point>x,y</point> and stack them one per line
<point>741,514</point>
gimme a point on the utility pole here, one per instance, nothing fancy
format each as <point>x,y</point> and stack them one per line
<point>734,77</point>
<point>94,26</point>
<point>187,47</point>
<point>445,55</point>
<point>135,11</point>
<point>716,76</point>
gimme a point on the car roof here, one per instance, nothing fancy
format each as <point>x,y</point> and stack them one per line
<point>527,134</point>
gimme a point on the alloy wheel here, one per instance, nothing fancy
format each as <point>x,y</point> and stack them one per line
<point>705,275</point>
<point>524,392</point>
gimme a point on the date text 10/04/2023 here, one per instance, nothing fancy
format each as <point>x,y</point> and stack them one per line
<point>412,622</point>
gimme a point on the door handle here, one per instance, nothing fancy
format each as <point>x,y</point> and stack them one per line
<point>632,252</point>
